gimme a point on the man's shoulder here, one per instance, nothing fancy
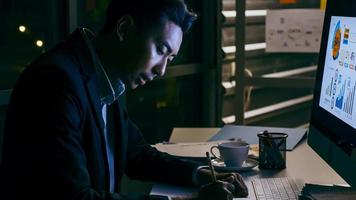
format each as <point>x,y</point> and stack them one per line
<point>58,57</point>
<point>59,62</point>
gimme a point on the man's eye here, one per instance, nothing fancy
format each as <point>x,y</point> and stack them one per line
<point>161,49</point>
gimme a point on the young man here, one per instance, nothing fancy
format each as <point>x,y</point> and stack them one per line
<point>66,134</point>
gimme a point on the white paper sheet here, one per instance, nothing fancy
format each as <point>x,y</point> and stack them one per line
<point>197,149</point>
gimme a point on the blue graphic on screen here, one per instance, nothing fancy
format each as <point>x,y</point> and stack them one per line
<point>340,97</point>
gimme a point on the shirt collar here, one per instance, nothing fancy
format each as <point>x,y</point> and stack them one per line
<point>109,90</point>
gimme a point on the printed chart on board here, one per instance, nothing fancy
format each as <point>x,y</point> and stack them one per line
<point>294,30</point>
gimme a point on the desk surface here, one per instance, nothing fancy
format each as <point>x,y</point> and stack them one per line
<point>302,163</point>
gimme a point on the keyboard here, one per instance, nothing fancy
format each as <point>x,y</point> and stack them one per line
<point>276,188</point>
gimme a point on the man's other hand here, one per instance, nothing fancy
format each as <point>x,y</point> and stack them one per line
<point>219,190</point>
<point>239,188</point>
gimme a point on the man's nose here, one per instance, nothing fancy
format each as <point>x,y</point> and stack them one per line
<point>160,68</point>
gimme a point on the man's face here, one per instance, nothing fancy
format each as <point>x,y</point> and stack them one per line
<point>147,54</point>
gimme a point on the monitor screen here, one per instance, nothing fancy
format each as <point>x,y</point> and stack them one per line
<point>332,130</point>
<point>339,76</point>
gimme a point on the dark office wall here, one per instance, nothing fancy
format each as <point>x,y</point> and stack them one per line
<point>159,106</point>
<point>2,119</point>
<point>44,20</point>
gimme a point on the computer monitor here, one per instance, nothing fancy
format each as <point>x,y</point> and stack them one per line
<point>332,132</point>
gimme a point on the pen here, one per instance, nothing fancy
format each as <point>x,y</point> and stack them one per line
<point>211,166</point>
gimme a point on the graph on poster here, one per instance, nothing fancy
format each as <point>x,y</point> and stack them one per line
<point>339,76</point>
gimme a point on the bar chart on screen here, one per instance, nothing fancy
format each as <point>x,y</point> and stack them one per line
<point>349,101</point>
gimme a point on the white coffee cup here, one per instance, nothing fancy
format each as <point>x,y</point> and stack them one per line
<point>234,154</point>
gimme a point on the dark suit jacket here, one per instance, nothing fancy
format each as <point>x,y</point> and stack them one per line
<point>54,142</point>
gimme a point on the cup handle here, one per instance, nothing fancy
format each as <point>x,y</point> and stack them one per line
<point>212,152</point>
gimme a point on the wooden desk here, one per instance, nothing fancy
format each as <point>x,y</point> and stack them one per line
<point>302,163</point>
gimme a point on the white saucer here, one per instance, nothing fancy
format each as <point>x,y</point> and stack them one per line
<point>221,167</point>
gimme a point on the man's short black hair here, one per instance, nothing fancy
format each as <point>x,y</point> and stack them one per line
<point>148,13</point>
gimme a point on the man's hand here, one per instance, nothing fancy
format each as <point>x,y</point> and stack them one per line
<point>239,188</point>
<point>228,186</point>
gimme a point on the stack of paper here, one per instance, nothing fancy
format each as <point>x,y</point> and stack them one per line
<point>316,192</point>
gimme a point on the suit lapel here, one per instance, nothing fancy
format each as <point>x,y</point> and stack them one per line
<point>89,73</point>
<point>120,124</point>
<point>117,114</point>
<point>92,90</point>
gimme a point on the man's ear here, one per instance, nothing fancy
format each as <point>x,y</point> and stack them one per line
<point>124,27</point>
